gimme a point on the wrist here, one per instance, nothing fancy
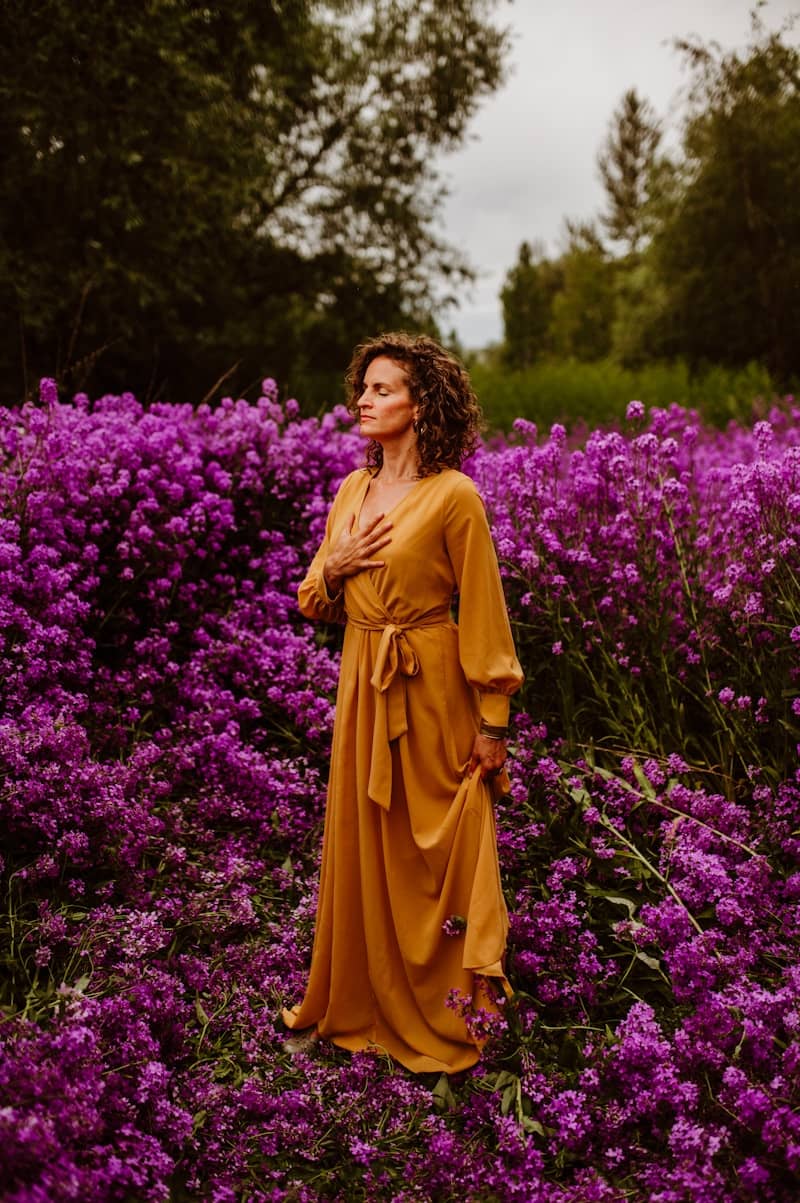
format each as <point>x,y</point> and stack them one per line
<point>332,583</point>
<point>493,731</point>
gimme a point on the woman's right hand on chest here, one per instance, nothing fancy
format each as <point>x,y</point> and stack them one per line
<point>354,551</point>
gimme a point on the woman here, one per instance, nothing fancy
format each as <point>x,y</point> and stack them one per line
<point>421,718</point>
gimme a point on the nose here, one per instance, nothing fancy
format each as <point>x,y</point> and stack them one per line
<point>363,399</point>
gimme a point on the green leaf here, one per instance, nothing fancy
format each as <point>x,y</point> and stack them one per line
<point>617,899</point>
<point>503,1079</point>
<point>443,1097</point>
<point>650,962</point>
<point>646,785</point>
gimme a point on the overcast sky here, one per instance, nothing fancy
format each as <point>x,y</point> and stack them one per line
<point>530,159</point>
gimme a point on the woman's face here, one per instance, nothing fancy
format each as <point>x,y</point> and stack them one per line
<point>386,410</point>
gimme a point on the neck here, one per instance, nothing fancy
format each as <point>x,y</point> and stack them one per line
<point>400,463</point>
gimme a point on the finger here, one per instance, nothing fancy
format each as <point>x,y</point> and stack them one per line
<point>373,530</point>
<point>491,766</point>
<point>370,538</point>
<point>371,525</point>
<point>365,554</point>
<point>375,545</point>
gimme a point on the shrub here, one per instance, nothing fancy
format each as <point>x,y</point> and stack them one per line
<point>164,741</point>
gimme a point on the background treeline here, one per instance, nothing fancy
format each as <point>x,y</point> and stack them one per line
<point>687,286</point>
<point>193,188</point>
<point>195,195</point>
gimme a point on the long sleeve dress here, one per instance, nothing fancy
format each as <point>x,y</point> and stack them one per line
<point>409,838</point>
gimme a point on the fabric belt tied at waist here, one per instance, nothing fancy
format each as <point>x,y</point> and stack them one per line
<point>395,661</point>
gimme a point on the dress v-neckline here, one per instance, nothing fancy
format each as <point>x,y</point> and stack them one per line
<point>398,503</point>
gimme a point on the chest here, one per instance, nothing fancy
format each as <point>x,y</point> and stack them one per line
<point>381,498</point>
<point>416,569</point>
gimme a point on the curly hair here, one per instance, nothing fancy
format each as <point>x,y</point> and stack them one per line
<point>449,418</point>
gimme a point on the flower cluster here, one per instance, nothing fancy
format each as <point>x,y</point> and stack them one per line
<point>164,734</point>
<point>656,574</point>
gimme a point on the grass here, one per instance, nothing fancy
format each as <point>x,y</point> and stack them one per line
<point>596,394</point>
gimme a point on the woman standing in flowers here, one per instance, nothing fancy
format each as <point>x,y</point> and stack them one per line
<point>419,737</point>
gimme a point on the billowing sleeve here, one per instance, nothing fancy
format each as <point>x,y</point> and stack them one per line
<point>312,594</point>
<point>486,646</point>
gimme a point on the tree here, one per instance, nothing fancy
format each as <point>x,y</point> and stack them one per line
<point>726,248</point>
<point>527,301</point>
<point>625,164</point>
<point>583,308</point>
<point>190,186</point>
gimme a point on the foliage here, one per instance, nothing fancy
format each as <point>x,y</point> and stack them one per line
<point>583,307</point>
<point>625,164</point>
<point>595,393</point>
<point>188,188</point>
<point>710,232</point>
<point>727,243</point>
<point>559,308</point>
<point>527,301</point>
<point>164,741</point>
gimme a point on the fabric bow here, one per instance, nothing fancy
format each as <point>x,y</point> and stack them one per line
<point>394,662</point>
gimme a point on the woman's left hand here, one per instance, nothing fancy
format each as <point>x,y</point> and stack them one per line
<point>490,754</point>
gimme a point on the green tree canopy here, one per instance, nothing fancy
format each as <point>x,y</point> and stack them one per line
<point>190,186</point>
<point>562,307</point>
<point>583,308</point>
<point>726,246</point>
<point>709,235</point>
<point>527,301</point>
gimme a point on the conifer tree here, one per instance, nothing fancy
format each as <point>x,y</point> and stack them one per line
<point>625,163</point>
<point>527,299</point>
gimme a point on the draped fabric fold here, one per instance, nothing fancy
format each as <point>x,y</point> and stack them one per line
<point>409,841</point>
<point>395,660</point>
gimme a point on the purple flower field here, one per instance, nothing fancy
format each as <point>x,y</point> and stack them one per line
<point>164,732</point>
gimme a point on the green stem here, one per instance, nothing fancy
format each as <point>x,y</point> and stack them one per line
<point>652,869</point>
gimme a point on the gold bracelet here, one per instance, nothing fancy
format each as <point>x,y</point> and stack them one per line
<point>493,732</point>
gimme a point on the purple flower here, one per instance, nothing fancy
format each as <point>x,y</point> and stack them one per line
<point>164,741</point>
<point>48,392</point>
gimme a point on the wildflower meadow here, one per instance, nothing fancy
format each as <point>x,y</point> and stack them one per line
<point>164,737</point>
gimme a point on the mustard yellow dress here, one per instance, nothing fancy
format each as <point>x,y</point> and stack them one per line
<point>409,836</point>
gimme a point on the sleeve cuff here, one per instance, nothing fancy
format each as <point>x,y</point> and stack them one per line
<point>495,708</point>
